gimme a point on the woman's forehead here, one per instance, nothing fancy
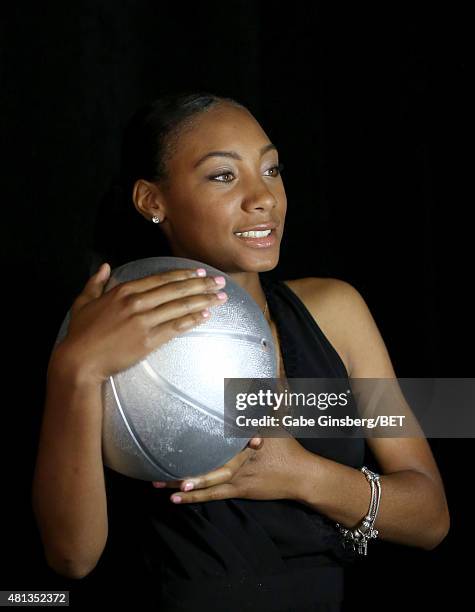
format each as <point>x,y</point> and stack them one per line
<point>222,130</point>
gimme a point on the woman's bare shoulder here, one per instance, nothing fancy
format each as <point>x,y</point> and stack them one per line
<point>320,292</point>
<point>310,283</point>
<point>322,297</point>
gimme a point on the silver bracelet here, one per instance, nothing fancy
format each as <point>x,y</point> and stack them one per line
<point>357,538</point>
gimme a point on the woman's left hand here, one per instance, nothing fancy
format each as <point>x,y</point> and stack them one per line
<point>270,472</point>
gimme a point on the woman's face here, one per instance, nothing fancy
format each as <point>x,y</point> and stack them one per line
<point>209,197</point>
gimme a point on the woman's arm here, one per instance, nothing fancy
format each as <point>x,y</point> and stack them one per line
<point>68,494</point>
<point>413,508</point>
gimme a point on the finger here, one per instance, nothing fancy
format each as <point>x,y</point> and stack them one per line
<point>170,484</point>
<point>256,443</point>
<point>223,491</point>
<point>220,476</point>
<point>94,286</point>
<point>167,321</point>
<point>153,281</point>
<point>173,299</point>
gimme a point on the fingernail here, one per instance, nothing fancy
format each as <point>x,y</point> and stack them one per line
<point>176,499</point>
<point>219,280</point>
<point>159,483</point>
<point>188,486</point>
<point>103,271</point>
<point>221,295</point>
<point>201,272</point>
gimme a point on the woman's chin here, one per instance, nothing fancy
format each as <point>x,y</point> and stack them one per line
<point>259,264</point>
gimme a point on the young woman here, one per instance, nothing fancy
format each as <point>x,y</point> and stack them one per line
<point>259,533</point>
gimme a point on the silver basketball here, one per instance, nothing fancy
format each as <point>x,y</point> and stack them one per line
<point>164,416</point>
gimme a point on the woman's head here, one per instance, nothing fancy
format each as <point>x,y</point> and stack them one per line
<point>171,169</point>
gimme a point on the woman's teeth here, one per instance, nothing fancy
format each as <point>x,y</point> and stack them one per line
<point>253,234</point>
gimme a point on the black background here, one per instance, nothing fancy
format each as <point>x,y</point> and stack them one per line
<point>369,109</point>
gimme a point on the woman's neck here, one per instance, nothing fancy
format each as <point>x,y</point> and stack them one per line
<point>251,283</point>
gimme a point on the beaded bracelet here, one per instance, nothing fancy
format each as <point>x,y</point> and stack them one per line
<point>358,537</point>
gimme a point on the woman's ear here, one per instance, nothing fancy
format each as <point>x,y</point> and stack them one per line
<point>148,199</point>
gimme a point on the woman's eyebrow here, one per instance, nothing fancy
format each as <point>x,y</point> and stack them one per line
<point>232,154</point>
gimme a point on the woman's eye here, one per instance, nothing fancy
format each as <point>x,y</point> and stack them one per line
<point>278,169</point>
<point>216,177</point>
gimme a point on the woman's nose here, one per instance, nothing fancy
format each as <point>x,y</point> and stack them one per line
<point>262,198</point>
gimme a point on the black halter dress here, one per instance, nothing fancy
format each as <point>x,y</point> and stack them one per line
<point>241,554</point>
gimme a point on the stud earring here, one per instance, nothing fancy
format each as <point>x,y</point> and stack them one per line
<point>155,219</point>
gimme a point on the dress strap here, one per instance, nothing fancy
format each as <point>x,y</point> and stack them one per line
<point>306,351</point>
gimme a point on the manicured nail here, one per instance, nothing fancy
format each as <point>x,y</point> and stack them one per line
<point>176,499</point>
<point>219,280</point>
<point>201,272</point>
<point>188,486</point>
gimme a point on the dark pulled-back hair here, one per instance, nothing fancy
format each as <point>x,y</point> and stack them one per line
<point>150,139</point>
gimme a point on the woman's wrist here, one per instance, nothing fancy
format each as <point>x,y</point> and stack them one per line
<point>305,479</point>
<point>66,363</point>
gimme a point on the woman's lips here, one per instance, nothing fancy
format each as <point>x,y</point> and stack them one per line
<point>260,243</point>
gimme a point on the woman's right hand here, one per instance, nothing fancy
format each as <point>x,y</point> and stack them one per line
<point>110,331</point>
